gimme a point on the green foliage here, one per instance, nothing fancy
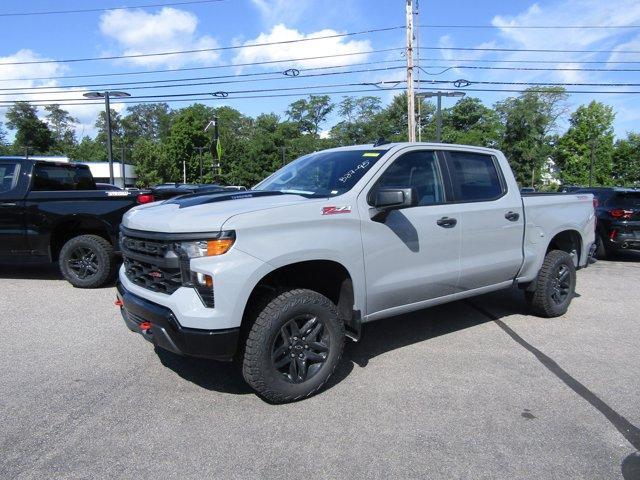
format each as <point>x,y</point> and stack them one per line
<point>117,129</point>
<point>151,163</point>
<point>88,150</point>
<point>589,139</point>
<point>626,161</point>
<point>529,120</point>
<point>147,120</point>
<point>31,132</point>
<point>469,122</point>
<point>62,126</point>
<point>310,114</point>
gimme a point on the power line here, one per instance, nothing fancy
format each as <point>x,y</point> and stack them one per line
<point>537,50</point>
<point>188,69</point>
<point>464,83</point>
<point>202,50</point>
<point>280,73</point>
<point>526,69</point>
<point>533,27</point>
<point>553,61</point>
<point>380,86</point>
<point>87,10</point>
<point>210,98</point>
<point>282,76</point>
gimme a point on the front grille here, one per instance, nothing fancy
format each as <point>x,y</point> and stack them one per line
<point>159,279</point>
<point>143,246</point>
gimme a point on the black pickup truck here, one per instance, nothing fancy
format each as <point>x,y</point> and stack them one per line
<point>52,211</point>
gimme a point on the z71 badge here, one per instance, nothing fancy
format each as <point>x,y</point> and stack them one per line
<point>336,210</point>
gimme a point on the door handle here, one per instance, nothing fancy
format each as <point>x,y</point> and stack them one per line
<point>446,222</point>
<point>512,216</point>
<point>7,204</point>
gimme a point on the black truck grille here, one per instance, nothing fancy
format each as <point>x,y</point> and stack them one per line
<point>147,275</point>
<point>145,246</point>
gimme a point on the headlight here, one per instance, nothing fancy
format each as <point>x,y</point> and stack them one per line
<point>207,248</point>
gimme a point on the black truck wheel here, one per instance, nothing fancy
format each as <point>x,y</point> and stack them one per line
<point>602,251</point>
<point>555,285</point>
<point>293,346</point>
<point>87,261</point>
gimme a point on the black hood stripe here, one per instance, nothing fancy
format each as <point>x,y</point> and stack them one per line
<point>195,199</point>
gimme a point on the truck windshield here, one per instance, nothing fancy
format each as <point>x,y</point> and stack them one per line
<point>322,174</point>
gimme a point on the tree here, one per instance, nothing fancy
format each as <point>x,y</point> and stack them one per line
<point>391,122</point>
<point>117,129</point>
<point>31,132</point>
<point>310,114</point>
<point>626,161</point>
<point>152,164</point>
<point>358,124</point>
<point>62,126</point>
<point>469,122</point>
<point>88,150</point>
<point>588,141</point>
<point>529,120</point>
<point>151,121</point>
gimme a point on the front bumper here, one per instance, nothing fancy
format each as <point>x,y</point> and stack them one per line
<point>159,325</point>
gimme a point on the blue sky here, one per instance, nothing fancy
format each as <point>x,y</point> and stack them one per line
<point>236,22</point>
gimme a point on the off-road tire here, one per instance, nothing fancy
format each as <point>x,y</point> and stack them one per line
<point>542,298</point>
<point>103,261</point>
<point>258,367</point>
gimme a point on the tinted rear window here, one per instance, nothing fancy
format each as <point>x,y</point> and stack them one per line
<point>8,176</point>
<point>475,177</point>
<point>60,177</point>
<point>625,200</point>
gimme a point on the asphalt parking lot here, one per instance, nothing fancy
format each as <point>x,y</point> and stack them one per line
<point>476,389</point>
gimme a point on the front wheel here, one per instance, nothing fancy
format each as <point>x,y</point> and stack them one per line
<point>87,261</point>
<point>293,347</point>
<point>555,285</point>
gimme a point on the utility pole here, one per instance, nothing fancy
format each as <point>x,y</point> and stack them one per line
<point>184,171</point>
<point>410,96</point>
<point>200,150</point>
<point>124,177</point>
<point>592,161</point>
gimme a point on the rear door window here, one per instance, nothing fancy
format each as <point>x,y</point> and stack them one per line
<point>475,177</point>
<point>60,178</point>
<point>9,173</point>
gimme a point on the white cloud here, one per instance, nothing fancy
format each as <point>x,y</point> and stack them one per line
<point>315,48</point>
<point>39,75</point>
<point>138,32</point>
<point>282,11</point>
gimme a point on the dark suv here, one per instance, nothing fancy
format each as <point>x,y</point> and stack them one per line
<point>618,212</point>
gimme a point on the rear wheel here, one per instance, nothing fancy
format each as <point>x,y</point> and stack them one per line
<point>87,261</point>
<point>293,347</point>
<point>602,251</point>
<point>555,285</point>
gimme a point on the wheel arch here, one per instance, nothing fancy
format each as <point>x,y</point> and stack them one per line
<point>73,226</point>
<point>569,241</point>
<point>328,277</point>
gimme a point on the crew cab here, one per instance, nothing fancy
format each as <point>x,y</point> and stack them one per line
<point>52,211</point>
<point>276,277</point>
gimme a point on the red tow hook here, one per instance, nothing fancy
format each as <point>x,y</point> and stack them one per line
<point>118,302</point>
<point>145,326</point>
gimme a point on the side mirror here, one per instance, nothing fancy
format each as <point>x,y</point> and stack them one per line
<point>394,198</point>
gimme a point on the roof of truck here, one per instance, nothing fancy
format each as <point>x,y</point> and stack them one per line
<point>430,145</point>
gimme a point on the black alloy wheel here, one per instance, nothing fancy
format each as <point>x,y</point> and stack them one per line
<point>83,262</point>
<point>561,284</point>
<point>301,349</point>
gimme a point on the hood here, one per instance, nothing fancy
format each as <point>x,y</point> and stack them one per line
<point>202,213</point>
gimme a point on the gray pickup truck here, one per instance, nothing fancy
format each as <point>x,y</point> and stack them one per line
<point>277,277</point>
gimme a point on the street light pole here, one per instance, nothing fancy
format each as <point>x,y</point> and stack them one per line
<point>439,95</point>
<point>106,95</point>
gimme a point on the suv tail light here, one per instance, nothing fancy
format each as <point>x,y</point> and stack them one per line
<point>621,214</point>
<point>145,198</point>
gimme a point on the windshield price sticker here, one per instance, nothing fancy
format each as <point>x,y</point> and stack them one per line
<point>371,154</point>
<point>353,171</point>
